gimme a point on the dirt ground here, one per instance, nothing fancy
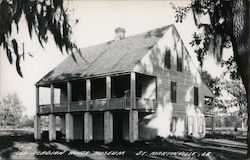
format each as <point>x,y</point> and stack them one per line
<point>21,145</point>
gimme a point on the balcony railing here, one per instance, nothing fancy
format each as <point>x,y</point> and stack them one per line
<point>60,107</point>
<point>145,104</point>
<point>119,103</point>
<point>78,106</point>
<point>99,105</point>
<point>208,111</point>
<point>45,108</point>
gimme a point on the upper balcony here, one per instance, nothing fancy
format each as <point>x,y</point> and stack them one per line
<point>208,109</point>
<point>123,92</point>
<point>144,105</point>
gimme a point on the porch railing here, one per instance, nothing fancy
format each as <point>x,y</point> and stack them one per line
<point>45,108</point>
<point>99,105</point>
<point>145,104</point>
<point>208,110</point>
<point>60,107</point>
<point>78,106</point>
<point>119,103</point>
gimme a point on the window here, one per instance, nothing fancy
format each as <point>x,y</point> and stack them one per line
<point>167,62</point>
<point>179,63</point>
<point>173,92</point>
<point>196,96</point>
<point>179,58</point>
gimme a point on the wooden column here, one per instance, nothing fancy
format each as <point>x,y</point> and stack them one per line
<point>51,98</point>
<point>88,93</point>
<point>37,127</point>
<point>52,127</point>
<point>133,90</point>
<point>108,90</point>
<point>69,95</point>
<point>37,100</point>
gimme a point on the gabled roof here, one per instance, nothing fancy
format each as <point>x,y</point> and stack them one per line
<point>107,58</point>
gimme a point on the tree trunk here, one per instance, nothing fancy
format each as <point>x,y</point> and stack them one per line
<point>240,41</point>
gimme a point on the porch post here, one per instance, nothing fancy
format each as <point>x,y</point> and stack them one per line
<point>133,114</point>
<point>132,91</point>
<point>88,120</point>
<point>52,127</point>
<point>69,127</point>
<point>69,95</point>
<point>37,100</point>
<point>37,118</point>
<point>37,127</point>
<point>88,94</point>
<point>108,116</point>
<point>51,98</point>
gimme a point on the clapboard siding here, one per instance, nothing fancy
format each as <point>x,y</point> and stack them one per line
<point>153,63</point>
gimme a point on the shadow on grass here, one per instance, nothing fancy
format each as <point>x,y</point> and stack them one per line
<point>10,142</point>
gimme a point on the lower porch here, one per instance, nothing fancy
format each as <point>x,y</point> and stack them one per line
<point>107,126</point>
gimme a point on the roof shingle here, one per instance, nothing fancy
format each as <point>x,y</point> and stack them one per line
<point>105,58</point>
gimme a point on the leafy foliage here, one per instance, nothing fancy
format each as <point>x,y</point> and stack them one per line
<point>238,95</point>
<point>42,17</point>
<point>212,83</point>
<point>215,32</point>
<point>11,110</point>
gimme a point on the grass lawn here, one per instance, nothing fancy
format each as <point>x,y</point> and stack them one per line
<point>19,144</point>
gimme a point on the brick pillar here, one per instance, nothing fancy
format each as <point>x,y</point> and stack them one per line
<point>69,127</point>
<point>52,127</point>
<point>37,127</point>
<point>88,127</point>
<point>133,126</point>
<point>108,127</point>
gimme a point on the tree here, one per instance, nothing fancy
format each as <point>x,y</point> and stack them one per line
<point>11,110</point>
<point>227,26</point>
<point>26,122</point>
<point>237,97</point>
<point>42,17</point>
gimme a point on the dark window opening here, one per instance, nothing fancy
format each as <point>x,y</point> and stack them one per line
<point>98,88</point>
<point>196,96</point>
<point>179,63</point>
<point>78,91</point>
<point>167,62</point>
<point>173,92</point>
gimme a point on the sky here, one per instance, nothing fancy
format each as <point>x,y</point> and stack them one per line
<point>97,21</point>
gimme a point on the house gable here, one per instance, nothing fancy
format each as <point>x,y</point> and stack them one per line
<point>189,77</point>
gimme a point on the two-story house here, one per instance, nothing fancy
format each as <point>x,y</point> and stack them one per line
<point>131,88</point>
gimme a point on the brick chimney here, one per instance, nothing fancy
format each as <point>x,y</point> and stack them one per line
<point>119,33</point>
